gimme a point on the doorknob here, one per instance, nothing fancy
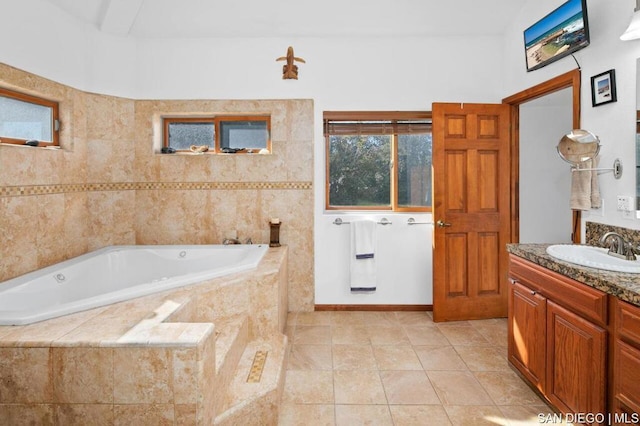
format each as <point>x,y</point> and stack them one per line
<point>442,224</point>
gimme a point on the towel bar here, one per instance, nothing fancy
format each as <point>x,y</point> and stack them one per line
<point>616,169</point>
<point>383,221</point>
<point>412,221</point>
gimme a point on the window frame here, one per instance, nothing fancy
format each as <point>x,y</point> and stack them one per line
<point>215,120</point>
<point>35,100</point>
<point>394,117</point>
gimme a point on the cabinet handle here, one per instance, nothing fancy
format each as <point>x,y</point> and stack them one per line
<point>513,280</point>
<point>533,292</point>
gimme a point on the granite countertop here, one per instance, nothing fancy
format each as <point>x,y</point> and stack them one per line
<point>622,285</point>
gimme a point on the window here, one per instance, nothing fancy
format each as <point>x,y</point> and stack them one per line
<point>245,134</point>
<point>28,118</point>
<point>378,160</point>
<point>181,133</point>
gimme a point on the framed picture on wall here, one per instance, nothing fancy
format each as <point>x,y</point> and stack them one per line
<point>603,88</point>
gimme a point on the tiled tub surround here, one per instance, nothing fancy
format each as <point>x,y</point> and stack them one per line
<point>178,357</point>
<point>109,186</point>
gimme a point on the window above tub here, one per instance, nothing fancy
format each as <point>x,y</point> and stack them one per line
<point>218,134</point>
<point>26,118</point>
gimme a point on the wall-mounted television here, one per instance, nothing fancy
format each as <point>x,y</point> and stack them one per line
<point>560,33</point>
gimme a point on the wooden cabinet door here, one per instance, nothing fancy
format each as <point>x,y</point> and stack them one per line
<point>626,364</point>
<point>527,333</point>
<point>576,355</point>
<point>626,378</point>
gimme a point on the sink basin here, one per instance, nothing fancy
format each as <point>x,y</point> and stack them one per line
<point>593,257</point>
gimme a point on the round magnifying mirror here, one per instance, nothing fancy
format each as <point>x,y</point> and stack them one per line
<point>578,146</point>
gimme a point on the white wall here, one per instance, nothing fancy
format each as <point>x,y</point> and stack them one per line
<point>386,73</point>
<point>614,123</point>
<point>545,179</point>
<point>44,40</point>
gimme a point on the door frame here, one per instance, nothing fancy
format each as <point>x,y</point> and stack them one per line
<point>571,80</point>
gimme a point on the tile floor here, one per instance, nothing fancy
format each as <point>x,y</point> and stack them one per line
<point>401,368</point>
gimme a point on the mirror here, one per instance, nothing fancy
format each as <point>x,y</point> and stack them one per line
<point>578,146</point>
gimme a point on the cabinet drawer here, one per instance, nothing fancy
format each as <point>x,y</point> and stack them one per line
<point>628,322</point>
<point>587,301</point>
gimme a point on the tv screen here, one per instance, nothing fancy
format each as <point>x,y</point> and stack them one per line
<point>560,33</point>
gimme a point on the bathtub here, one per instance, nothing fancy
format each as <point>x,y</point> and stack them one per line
<point>115,274</point>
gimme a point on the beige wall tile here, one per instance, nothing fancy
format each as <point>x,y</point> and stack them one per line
<point>142,376</point>
<point>144,414</point>
<point>185,378</point>
<point>25,375</point>
<point>50,247</point>
<point>108,139</point>
<point>19,224</point>
<point>27,414</point>
<point>83,375</point>
<point>87,414</point>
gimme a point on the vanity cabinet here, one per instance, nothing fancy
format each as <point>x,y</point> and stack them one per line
<point>558,336</point>
<point>626,361</point>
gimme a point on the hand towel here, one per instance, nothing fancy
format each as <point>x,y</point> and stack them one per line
<point>362,263</point>
<point>585,190</point>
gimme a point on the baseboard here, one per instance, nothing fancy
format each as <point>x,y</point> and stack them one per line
<point>374,307</point>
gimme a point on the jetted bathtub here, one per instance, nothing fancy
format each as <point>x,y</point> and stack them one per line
<point>115,274</point>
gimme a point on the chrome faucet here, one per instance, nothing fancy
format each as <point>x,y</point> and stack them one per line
<point>228,241</point>
<point>619,247</point>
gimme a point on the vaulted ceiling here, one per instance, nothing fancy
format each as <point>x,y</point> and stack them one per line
<point>293,18</point>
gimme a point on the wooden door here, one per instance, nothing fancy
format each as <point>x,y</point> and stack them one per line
<point>527,333</point>
<point>576,355</point>
<point>471,209</point>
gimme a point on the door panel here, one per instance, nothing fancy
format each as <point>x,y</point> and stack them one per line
<point>488,249</point>
<point>457,275</point>
<point>488,178</point>
<point>471,208</point>
<point>457,172</point>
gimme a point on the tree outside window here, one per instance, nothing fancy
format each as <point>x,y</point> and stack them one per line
<point>378,161</point>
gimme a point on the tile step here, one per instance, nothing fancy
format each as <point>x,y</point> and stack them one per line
<point>253,397</point>
<point>232,335</point>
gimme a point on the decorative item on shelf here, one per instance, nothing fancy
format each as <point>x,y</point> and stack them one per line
<point>274,240</point>
<point>227,150</point>
<point>290,70</point>
<point>603,88</point>
<point>198,149</point>
<point>168,150</point>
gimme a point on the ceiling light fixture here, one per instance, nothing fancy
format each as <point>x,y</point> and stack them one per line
<point>633,31</point>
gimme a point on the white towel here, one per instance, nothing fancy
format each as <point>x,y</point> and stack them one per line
<point>585,190</point>
<point>362,263</point>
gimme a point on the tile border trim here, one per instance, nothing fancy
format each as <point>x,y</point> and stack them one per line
<point>25,190</point>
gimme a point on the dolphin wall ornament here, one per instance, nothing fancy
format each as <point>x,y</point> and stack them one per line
<point>290,70</point>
